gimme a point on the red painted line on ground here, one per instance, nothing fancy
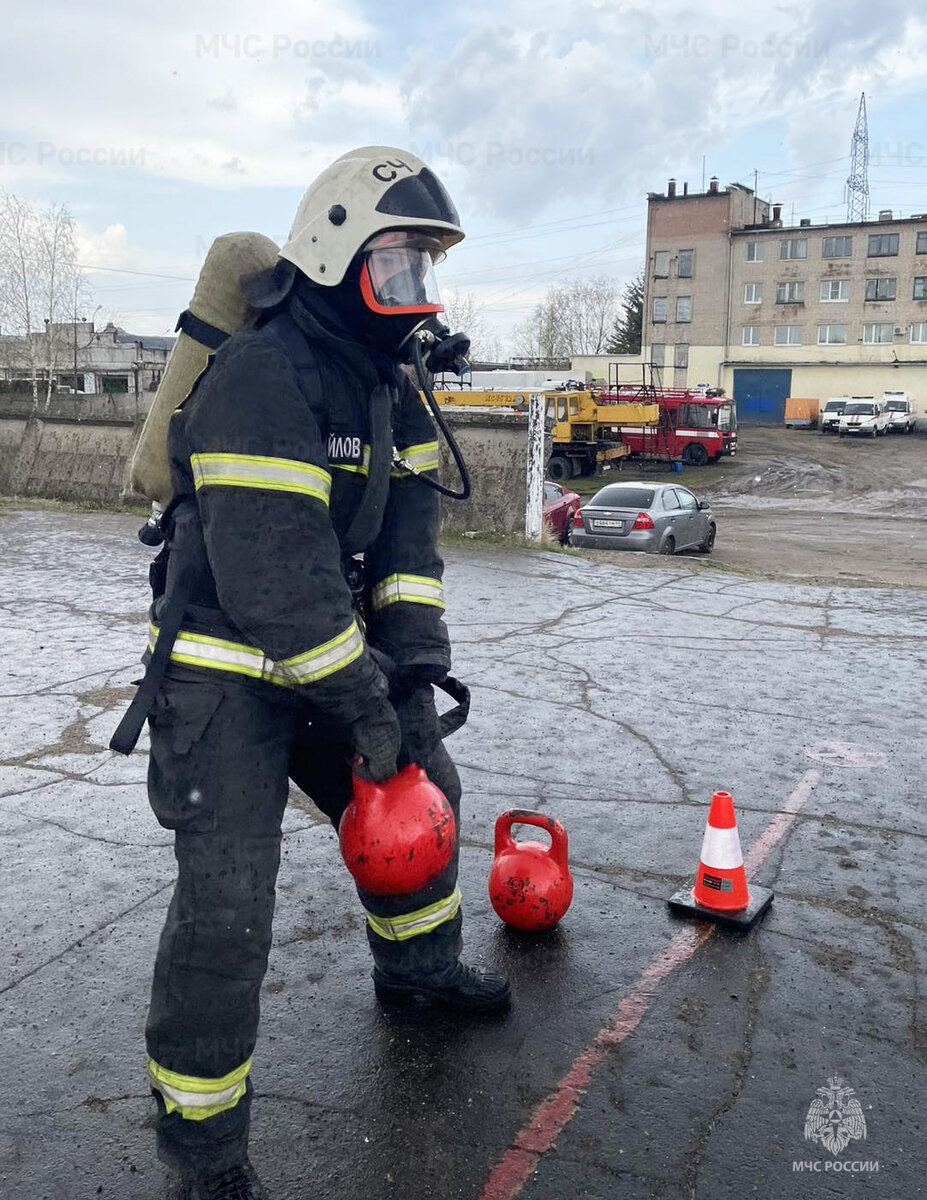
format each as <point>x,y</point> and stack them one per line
<point>551,1117</point>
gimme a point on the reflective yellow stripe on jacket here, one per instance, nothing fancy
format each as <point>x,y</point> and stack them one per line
<point>196,1099</point>
<point>258,471</point>
<point>217,654</point>
<point>423,457</point>
<point>415,589</point>
<point>423,920</point>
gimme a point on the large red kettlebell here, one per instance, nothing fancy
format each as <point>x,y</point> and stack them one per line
<point>530,884</point>
<point>398,835</point>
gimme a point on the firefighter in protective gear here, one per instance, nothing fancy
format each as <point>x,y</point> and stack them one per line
<point>301,447</point>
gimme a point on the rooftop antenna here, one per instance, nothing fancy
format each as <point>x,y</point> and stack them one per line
<point>858,181</point>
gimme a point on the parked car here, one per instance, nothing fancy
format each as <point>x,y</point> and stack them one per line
<point>559,507</point>
<point>658,517</point>
<point>864,416</point>
<point>902,417</point>
<point>832,412</point>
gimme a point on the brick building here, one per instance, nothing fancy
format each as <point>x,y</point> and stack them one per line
<point>735,298</point>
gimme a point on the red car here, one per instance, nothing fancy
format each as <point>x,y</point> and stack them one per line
<point>559,507</point>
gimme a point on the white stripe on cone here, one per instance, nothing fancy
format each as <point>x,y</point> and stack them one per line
<point>721,849</point>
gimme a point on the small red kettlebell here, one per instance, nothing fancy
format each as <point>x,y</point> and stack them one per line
<point>530,884</point>
<point>398,835</point>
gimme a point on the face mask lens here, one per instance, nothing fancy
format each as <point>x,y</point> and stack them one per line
<point>401,274</point>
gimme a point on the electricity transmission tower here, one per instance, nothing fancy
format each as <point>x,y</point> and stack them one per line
<point>858,182</point>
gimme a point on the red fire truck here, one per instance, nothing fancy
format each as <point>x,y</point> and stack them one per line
<point>695,426</point>
<point>642,421</point>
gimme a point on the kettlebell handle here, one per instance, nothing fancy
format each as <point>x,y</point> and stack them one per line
<point>559,843</point>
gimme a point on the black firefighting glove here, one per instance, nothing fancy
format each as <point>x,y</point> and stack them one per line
<point>414,699</point>
<point>418,721</point>
<point>375,740</point>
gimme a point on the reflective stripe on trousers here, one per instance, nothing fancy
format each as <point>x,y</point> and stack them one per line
<point>196,1099</point>
<point>201,650</point>
<point>414,589</point>
<point>423,920</point>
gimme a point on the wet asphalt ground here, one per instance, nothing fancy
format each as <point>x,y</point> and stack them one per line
<point>644,1057</point>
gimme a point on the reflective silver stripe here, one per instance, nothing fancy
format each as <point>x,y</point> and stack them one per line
<point>423,457</point>
<point>258,471</point>
<point>324,660</point>
<point>194,1098</point>
<point>201,650</point>
<point>413,924</point>
<point>415,589</point>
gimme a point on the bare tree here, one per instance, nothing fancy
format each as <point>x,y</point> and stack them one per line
<point>464,313</point>
<point>39,285</point>
<point>575,318</point>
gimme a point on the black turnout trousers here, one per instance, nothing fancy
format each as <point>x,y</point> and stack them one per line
<point>223,752</point>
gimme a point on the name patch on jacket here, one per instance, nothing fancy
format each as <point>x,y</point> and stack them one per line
<point>345,448</point>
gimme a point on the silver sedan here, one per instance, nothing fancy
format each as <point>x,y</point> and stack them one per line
<point>657,517</point>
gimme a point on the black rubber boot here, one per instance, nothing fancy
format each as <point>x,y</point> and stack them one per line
<point>471,989</point>
<point>239,1182</point>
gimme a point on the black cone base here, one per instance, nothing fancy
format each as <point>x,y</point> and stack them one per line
<point>741,919</point>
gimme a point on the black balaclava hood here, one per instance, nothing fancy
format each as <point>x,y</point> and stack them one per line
<point>344,310</point>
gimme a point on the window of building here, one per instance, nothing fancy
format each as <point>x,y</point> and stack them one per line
<point>882,244</point>
<point>754,251</point>
<point>832,335</point>
<point>750,335</point>
<point>681,356</point>
<point>878,334</point>
<point>115,385</point>
<point>658,354</point>
<point>922,242</point>
<point>837,247</point>
<point>753,293</point>
<point>661,264</point>
<point>919,333</point>
<point>790,293</point>
<point>659,310</point>
<point>880,289</point>
<point>685,264</point>
<point>683,309</point>
<point>793,248</point>
<point>920,287</point>
<point>787,335</point>
<point>835,291</point>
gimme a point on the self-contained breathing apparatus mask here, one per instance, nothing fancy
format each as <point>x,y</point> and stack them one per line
<point>397,280</point>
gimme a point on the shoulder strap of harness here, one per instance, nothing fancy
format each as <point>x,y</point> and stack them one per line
<point>368,518</point>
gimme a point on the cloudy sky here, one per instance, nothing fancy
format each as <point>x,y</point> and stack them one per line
<point>164,125</point>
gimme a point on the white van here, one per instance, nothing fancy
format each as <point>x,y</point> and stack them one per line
<point>902,417</point>
<point>864,416</point>
<point>832,412</point>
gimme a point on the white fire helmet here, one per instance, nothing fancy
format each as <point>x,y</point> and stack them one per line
<point>389,203</point>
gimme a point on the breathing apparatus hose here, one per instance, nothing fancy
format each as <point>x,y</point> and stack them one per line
<point>419,363</point>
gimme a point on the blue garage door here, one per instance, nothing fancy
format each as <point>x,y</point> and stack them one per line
<point>760,396</point>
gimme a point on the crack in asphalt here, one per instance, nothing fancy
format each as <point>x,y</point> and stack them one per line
<point>741,1058</point>
<point>15,983</point>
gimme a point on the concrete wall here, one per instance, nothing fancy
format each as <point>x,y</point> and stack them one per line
<point>59,457</point>
<point>80,407</point>
<point>65,459</point>
<point>495,447</point>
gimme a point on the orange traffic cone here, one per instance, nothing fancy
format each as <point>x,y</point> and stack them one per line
<point>720,890</point>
